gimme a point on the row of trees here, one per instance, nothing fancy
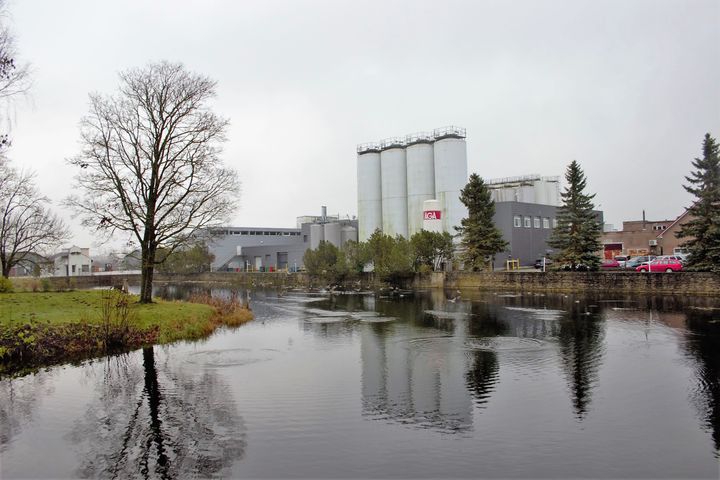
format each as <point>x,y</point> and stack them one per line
<point>392,257</point>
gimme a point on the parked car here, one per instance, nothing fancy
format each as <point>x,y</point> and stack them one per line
<point>578,268</point>
<point>610,265</point>
<point>621,259</point>
<point>661,265</point>
<point>678,258</point>
<point>635,262</point>
<point>539,263</point>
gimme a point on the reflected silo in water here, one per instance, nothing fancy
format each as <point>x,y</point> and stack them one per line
<point>393,177</point>
<point>420,178</point>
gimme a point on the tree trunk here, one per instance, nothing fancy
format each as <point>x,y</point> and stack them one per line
<point>147,269</point>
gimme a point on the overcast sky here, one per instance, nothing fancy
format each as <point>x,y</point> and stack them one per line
<point>628,88</point>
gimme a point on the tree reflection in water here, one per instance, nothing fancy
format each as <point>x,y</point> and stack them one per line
<point>581,347</point>
<point>180,423</point>
<point>703,343</point>
<point>19,398</point>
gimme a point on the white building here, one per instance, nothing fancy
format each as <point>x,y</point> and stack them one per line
<point>72,262</point>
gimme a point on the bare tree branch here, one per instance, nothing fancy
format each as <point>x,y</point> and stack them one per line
<point>150,162</point>
<point>27,226</point>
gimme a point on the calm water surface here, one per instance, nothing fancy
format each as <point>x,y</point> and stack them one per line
<point>492,385</point>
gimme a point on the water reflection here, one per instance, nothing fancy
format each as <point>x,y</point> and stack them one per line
<point>158,419</point>
<point>581,346</point>
<point>416,382</point>
<point>702,343</point>
<point>19,399</point>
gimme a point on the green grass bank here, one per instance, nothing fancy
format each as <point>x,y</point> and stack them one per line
<point>45,328</point>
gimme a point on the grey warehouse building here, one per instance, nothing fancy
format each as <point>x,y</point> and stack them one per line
<point>275,249</point>
<point>527,228</point>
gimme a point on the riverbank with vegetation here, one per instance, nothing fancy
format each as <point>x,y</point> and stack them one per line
<point>40,329</point>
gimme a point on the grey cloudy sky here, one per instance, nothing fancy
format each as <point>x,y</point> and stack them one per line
<point>628,88</point>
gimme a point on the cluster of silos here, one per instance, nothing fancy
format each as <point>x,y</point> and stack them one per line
<point>333,232</point>
<point>397,175</point>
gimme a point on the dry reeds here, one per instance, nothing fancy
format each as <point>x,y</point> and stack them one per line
<point>228,311</point>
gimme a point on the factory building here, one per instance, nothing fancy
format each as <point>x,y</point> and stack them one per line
<point>526,214</point>
<point>276,249</point>
<point>397,175</point>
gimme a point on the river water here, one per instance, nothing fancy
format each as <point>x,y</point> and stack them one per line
<point>431,385</point>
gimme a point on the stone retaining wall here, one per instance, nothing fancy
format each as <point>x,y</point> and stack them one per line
<point>657,283</point>
<point>690,283</point>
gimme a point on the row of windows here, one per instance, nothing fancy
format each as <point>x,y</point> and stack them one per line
<point>530,222</point>
<point>257,232</point>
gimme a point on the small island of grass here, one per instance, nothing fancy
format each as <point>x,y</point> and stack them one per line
<point>40,329</point>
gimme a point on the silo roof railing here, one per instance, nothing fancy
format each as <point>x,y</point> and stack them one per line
<point>419,137</point>
<point>448,132</point>
<point>368,147</point>
<point>392,142</point>
<point>412,138</point>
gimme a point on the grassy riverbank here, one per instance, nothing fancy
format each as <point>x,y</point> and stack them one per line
<point>38,329</point>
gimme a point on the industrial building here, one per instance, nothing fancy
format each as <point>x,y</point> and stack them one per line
<point>526,189</point>
<point>276,249</point>
<point>646,237</point>
<point>526,214</point>
<point>397,175</point>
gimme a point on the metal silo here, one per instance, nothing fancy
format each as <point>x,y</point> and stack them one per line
<point>450,153</point>
<point>393,176</point>
<point>420,177</point>
<point>369,189</point>
<point>316,235</point>
<point>332,233</point>
<point>348,233</point>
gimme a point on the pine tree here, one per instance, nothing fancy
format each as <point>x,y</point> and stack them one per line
<point>577,235</point>
<point>703,230</point>
<point>480,239</point>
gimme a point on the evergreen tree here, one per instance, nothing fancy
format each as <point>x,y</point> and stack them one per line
<point>481,240</point>
<point>703,229</point>
<point>577,236</point>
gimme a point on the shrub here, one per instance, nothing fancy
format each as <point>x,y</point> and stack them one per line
<point>6,285</point>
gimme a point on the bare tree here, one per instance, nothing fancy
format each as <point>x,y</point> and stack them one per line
<point>14,76</point>
<point>26,224</point>
<point>150,163</point>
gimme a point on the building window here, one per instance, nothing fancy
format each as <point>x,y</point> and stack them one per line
<point>528,222</point>
<point>546,222</point>
<point>554,222</point>
<point>536,222</point>
<point>517,221</point>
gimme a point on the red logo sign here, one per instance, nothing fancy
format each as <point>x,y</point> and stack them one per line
<point>431,214</point>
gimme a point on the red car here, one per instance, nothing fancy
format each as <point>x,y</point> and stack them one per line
<point>661,265</point>
<point>610,265</point>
